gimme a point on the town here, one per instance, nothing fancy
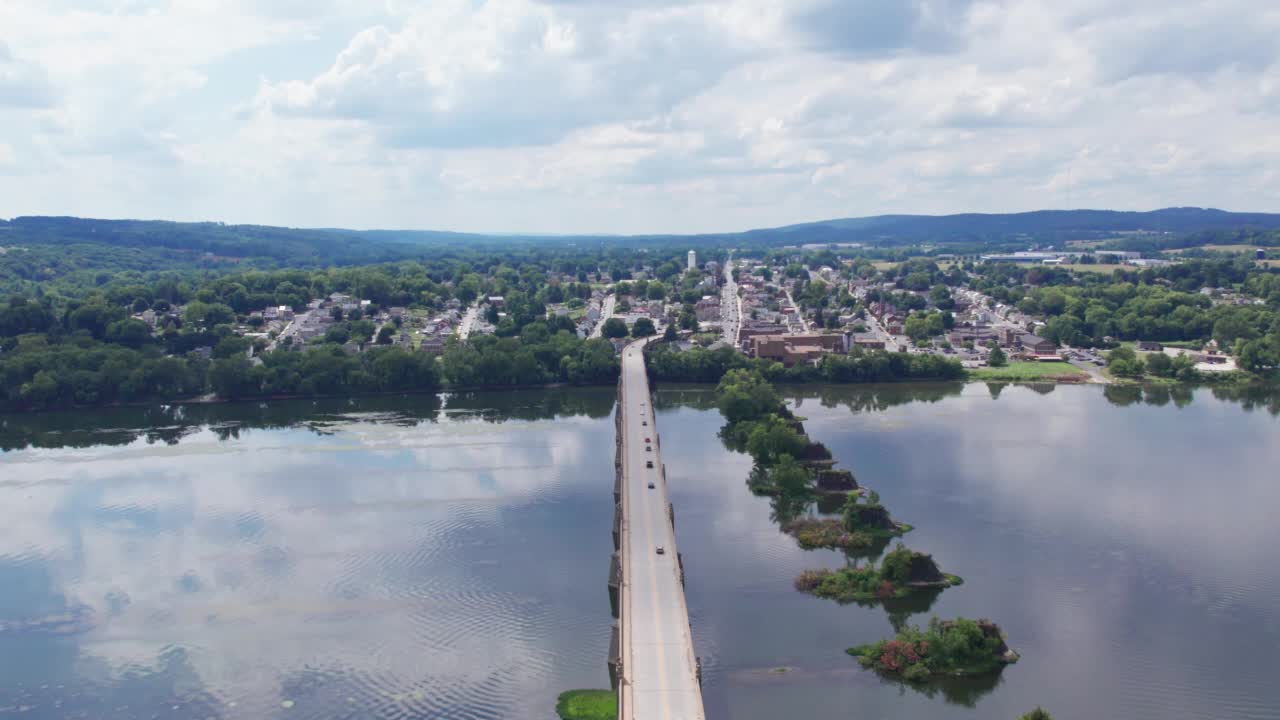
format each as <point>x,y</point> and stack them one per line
<point>789,307</point>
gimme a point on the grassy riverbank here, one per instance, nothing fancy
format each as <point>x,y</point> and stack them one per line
<point>1023,371</point>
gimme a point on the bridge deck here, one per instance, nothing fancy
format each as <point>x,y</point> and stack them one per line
<point>659,669</point>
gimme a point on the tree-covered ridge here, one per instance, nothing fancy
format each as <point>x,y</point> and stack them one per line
<point>74,257</point>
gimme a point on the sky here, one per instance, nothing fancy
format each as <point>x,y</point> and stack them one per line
<point>632,116</point>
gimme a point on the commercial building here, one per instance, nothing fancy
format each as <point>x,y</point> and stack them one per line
<point>1036,345</point>
<point>707,309</point>
<point>751,329</point>
<point>1023,257</point>
<point>794,349</point>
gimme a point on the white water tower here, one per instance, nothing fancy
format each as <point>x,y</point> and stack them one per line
<point>693,260</point>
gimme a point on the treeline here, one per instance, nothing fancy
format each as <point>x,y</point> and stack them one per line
<point>700,365</point>
<point>1261,237</point>
<point>83,372</point>
<point>73,258</point>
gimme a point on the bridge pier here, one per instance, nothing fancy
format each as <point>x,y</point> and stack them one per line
<point>615,657</point>
<point>615,583</point>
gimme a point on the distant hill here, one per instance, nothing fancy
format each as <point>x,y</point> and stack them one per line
<point>294,246</point>
<point>1040,225</point>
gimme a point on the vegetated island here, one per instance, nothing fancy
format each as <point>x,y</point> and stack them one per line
<point>862,523</point>
<point>900,574</point>
<point>790,466</point>
<point>946,648</point>
<point>587,705</point>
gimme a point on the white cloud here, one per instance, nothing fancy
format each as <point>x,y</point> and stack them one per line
<point>510,73</point>
<point>517,115</point>
<point>22,85</point>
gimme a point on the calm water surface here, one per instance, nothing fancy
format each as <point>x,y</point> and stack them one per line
<point>1126,543</point>
<point>377,559</point>
<point>408,558</point>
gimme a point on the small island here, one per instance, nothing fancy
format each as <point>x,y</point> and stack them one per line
<point>901,574</point>
<point>947,648</point>
<point>587,705</point>
<point>862,523</point>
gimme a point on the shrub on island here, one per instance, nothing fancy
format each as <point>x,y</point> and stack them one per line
<point>959,647</point>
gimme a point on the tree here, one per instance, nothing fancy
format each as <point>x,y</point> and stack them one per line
<point>997,358</point>
<point>614,328</point>
<point>385,333</point>
<point>670,334</point>
<point>790,477</point>
<point>772,438</point>
<point>1159,364</point>
<point>642,328</point>
<point>131,333</point>
<point>1258,356</point>
<point>1037,714</point>
<point>1124,362</point>
<point>744,395</point>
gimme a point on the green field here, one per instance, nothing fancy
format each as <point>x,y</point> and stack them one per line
<point>587,705</point>
<point>1026,371</point>
<point>943,265</point>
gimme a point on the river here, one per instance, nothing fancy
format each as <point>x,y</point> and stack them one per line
<point>414,557</point>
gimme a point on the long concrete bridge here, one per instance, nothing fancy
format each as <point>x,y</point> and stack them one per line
<point>651,659</point>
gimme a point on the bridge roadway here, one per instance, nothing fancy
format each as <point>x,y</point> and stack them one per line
<point>659,671</point>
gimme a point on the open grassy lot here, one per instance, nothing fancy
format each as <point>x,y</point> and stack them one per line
<point>943,265</point>
<point>587,705</point>
<point>1026,371</point>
